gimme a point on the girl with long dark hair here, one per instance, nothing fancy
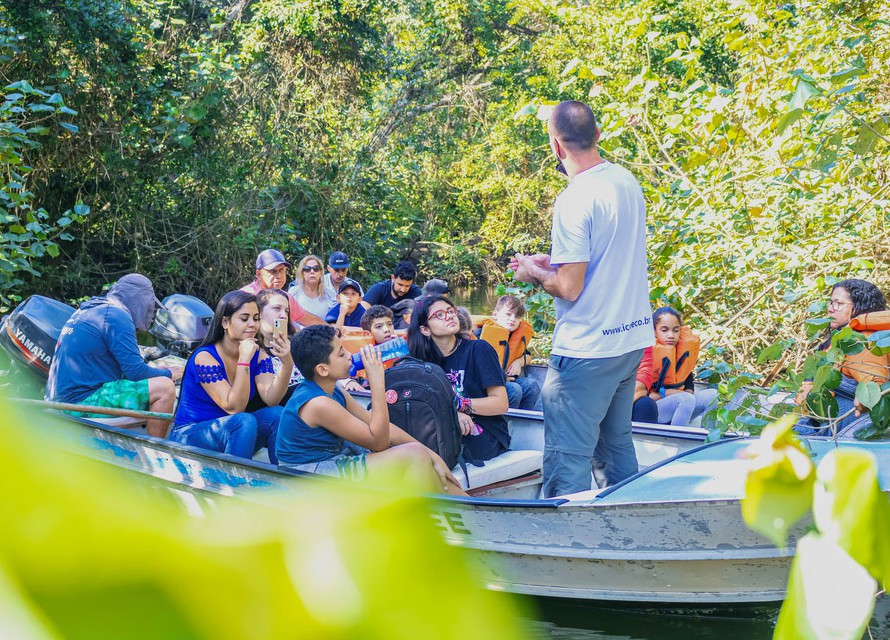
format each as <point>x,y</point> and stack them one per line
<point>221,377</point>
<point>475,373</point>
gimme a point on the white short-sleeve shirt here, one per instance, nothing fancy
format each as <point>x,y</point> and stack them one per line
<point>600,219</point>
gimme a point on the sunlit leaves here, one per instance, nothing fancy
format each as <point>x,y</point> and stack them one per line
<point>850,508</point>
<point>829,596</point>
<point>779,487</point>
<point>323,561</point>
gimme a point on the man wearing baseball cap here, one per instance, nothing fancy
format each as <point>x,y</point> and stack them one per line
<point>338,266</point>
<point>271,273</point>
<point>97,360</point>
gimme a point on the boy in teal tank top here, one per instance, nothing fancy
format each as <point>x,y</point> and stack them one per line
<point>325,431</point>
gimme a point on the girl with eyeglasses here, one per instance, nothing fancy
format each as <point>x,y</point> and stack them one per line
<point>849,299</point>
<point>474,371</point>
<point>309,289</point>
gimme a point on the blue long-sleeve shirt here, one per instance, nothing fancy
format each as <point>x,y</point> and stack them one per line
<point>97,345</point>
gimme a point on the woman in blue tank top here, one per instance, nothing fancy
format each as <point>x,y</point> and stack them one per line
<point>223,375</point>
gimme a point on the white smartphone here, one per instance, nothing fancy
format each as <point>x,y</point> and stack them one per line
<point>278,328</point>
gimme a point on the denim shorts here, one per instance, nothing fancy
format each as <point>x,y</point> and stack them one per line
<point>351,467</point>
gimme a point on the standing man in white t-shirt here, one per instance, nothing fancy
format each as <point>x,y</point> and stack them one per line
<point>596,271</point>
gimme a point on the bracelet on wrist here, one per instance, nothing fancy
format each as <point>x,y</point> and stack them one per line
<point>243,364</point>
<point>465,405</point>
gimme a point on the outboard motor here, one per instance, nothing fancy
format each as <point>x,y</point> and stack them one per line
<point>182,325</point>
<point>29,334</point>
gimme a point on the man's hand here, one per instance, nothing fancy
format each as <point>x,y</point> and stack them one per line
<point>175,373</point>
<point>528,268</point>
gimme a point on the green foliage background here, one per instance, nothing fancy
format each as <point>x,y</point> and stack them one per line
<point>208,129</point>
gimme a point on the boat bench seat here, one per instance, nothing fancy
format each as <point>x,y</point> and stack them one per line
<point>510,464</point>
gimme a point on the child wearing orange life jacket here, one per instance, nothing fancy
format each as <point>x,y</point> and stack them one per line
<point>509,334</point>
<point>666,372</point>
<point>376,328</point>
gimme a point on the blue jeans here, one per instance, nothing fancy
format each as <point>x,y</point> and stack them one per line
<point>239,434</point>
<point>524,393</point>
<point>587,408</point>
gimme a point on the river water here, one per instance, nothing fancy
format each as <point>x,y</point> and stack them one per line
<point>572,620</point>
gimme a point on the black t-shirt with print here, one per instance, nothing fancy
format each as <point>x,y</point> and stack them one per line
<point>472,368</point>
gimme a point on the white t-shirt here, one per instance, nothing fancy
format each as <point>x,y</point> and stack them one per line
<point>600,219</point>
<point>319,306</point>
<point>329,288</point>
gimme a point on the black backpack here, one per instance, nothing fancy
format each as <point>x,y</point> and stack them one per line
<point>421,402</point>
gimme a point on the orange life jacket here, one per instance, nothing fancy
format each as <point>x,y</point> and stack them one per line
<point>865,365</point>
<point>354,339</point>
<point>672,365</point>
<point>509,345</point>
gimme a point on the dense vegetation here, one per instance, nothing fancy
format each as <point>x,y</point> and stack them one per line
<point>178,137</point>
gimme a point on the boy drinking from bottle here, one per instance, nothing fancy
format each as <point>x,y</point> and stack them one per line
<point>325,431</point>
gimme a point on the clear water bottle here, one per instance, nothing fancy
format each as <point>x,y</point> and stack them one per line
<point>389,350</point>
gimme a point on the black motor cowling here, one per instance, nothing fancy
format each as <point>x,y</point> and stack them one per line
<point>182,324</point>
<point>29,334</point>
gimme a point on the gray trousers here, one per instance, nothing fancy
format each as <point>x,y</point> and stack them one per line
<point>587,407</point>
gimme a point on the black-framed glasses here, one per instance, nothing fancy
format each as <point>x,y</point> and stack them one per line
<point>308,268</point>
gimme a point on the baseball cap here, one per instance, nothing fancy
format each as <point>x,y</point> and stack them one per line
<point>436,287</point>
<point>270,258</point>
<point>349,282</point>
<point>339,260</point>
<point>403,306</point>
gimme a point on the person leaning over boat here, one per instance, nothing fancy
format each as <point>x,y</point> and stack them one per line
<point>271,273</point>
<point>472,368</point>
<point>850,303</point>
<point>97,360</point>
<point>221,377</point>
<point>326,431</point>
<point>597,273</point>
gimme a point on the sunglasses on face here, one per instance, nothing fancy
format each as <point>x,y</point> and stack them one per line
<point>442,314</point>
<point>308,268</point>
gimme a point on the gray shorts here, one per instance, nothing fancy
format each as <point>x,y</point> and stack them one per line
<point>351,467</point>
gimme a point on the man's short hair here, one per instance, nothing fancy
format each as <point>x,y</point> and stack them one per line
<point>574,125</point>
<point>312,346</point>
<point>374,312</point>
<point>405,270</point>
<point>512,303</point>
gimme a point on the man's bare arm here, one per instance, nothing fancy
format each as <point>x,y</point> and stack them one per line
<point>565,281</point>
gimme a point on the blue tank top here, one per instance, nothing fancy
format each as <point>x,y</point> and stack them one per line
<point>195,404</point>
<point>298,443</point>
